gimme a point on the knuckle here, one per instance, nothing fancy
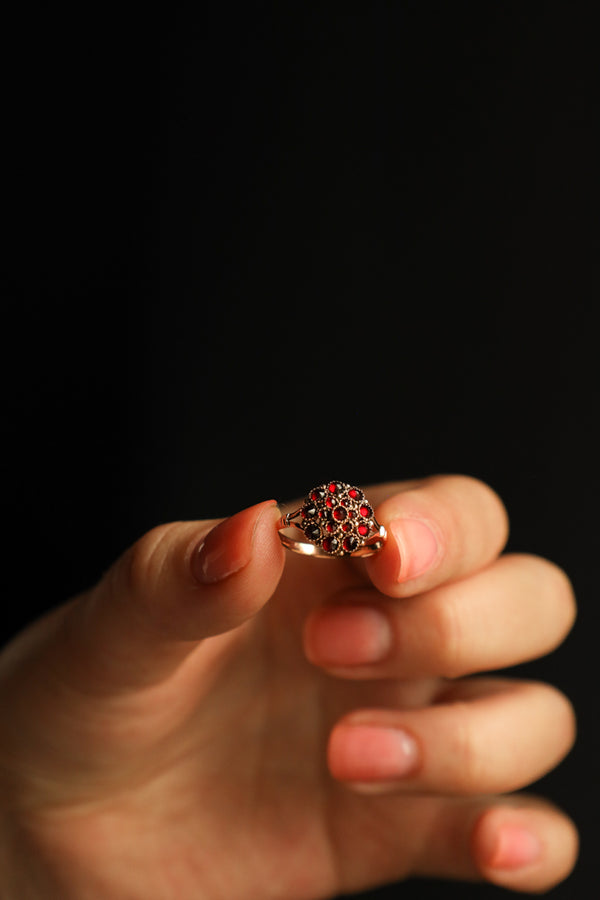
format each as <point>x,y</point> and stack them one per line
<point>494,513</point>
<point>564,596</point>
<point>461,485</point>
<point>560,604</point>
<point>145,560</point>
<point>556,715</point>
<point>446,635</point>
<point>488,517</point>
<point>564,719</point>
<point>468,765</point>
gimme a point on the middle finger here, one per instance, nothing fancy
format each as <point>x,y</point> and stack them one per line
<point>517,609</point>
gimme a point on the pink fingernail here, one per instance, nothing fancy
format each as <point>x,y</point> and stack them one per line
<point>418,546</point>
<point>372,753</point>
<point>516,847</point>
<point>349,636</point>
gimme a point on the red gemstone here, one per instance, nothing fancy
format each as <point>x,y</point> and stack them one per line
<point>365,511</point>
<point>347,526</point>
<point>330,545</point>
<point>312,532</point>
<point>350,543</point>
<point>363,530</point>
<point>329,502</point>
<point>329,527</point>
<point>353,494</point>
<point>333,487</point>
<point>339,514</point>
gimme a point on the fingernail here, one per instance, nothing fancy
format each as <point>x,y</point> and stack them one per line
<point>228,547</point>
<point>349,636</point>
<point>417,544</point>
<point>516,847</point>
<point>374,753</point>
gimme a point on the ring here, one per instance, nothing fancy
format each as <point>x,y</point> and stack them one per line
<point>336,520</point>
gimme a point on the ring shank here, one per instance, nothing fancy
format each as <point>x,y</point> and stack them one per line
<point>369,548</point>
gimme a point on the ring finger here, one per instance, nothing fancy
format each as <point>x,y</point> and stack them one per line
<point>483,735</point>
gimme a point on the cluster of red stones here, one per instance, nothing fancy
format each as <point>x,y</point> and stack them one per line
<point>337,517</point>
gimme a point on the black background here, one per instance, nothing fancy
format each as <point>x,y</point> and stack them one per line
<point>252,248</point>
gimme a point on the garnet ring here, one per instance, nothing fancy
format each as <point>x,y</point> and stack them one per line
<point>336,520</point>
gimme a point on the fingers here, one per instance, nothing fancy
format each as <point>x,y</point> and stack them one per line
<point>461,610</point>
<point>527,846</point>
<point>514,610</point>
<point>484,736</point>
<point>439,530</point>
<point>180,583</point>
<point>517,841</point>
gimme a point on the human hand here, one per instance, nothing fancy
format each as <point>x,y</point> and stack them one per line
<point>209,724</point>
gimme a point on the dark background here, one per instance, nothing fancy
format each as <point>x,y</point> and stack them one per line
<point>251,248</point>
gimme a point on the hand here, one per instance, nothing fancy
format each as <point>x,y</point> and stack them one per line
<point>211,724</point>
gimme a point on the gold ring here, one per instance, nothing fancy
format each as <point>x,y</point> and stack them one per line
<point>336,520</point>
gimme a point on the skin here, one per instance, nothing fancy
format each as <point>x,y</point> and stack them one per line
<point>214,723</point>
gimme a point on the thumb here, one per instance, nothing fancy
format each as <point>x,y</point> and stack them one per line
<point>178,584</point>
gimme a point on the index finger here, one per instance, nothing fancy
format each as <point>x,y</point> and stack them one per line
<point>439,529</point>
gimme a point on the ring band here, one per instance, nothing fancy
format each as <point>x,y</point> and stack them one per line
<point>336,520</point>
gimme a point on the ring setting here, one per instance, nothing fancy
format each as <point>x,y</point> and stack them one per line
<point>336,520</point>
